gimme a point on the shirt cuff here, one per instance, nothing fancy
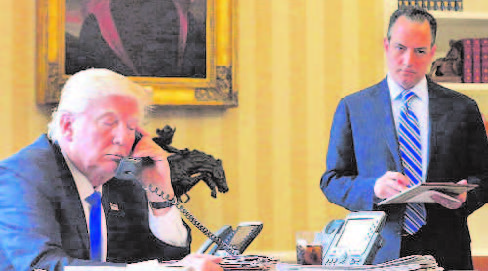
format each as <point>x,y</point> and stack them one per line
<point>169,227</point>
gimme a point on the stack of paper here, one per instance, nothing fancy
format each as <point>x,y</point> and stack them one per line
<point>410,263</point>
<point>152,265</point>
<point>248,263</point>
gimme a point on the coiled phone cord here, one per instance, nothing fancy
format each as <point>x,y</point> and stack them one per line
<point>229,249</point>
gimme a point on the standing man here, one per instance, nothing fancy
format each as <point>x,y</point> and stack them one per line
<point>403,131</point>
<point>59,202</point>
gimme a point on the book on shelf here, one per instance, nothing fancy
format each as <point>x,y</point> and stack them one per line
<point>476,60</point>
<point>433,4</point>
<point>425,4</point>
<point>441,5</point>
<point>467,60</point>
<point>407,3</point>
<point>451,5</point>
<point>484,60</point>
<point>459,5</point>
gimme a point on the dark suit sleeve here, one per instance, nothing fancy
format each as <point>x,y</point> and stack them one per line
<point>341,183</point>
<point>477,149</point>
<point>130,238</point>
<point>30,234</point>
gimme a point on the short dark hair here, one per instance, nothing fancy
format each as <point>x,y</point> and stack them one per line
<point>415,14</point>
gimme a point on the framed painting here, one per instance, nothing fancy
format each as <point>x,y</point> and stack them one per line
<point>183,50</point>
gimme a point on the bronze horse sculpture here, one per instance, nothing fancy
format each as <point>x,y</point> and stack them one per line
<point>190,167</point>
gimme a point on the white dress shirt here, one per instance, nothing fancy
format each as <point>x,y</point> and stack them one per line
<point>168,228</point>
<point>420,107</point>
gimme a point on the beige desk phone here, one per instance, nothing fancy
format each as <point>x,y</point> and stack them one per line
<point>353,241</point>
<point>225,242</point>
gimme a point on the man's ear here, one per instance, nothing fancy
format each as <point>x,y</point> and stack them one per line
<point>386,44</point>
<point>433,50</point>
<point>66,126</point>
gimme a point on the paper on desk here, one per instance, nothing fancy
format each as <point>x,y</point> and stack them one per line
<point>408,263</point>
<point>423,193</point>
<point>93,268</point>
<point>154,265</point>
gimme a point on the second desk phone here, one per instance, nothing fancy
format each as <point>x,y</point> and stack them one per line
<point>353,241</point>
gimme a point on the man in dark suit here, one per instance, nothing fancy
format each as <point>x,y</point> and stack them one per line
<point>158,38</point>
<point>367,161</point>
<point>48,218</point>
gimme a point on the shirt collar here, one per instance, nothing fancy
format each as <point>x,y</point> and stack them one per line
<point>420,89</point>
<point>84,186</point>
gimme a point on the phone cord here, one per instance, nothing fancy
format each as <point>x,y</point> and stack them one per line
<point>229,249</point>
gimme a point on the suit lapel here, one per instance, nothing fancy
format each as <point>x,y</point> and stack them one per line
<point>438,113</point>
<point>71,203</point>
<point>387,126</point>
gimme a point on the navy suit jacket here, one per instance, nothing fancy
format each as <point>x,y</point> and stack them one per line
<point>363,146</point>
<point>42,223</point>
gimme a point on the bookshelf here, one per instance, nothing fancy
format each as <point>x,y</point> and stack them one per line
<point>470,89</point>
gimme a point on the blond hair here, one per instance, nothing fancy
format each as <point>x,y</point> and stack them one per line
<point>89,85</point>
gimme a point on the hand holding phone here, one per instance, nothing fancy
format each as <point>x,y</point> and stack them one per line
<point>157,173</point>
<point>144,146</point>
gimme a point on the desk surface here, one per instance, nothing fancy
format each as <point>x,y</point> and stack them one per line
<point>479,262</point>
<point>289,256</point>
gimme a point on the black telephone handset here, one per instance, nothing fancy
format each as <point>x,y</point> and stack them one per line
<point>130,167</point>
<point>233,242</point>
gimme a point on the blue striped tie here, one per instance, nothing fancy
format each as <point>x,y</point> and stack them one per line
<point>410,149</point>
<point>95,222</point>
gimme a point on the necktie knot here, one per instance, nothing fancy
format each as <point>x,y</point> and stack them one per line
<point>407,96</point>
<point>94,199</point>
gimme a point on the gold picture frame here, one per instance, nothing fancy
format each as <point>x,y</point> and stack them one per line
<point>216,89</point>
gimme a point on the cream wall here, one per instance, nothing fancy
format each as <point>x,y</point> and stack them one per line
<point>296,59</point>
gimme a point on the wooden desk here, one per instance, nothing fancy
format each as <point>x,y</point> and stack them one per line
<point>480,263</point>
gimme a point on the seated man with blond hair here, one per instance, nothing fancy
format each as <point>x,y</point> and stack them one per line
<point>60,203</point>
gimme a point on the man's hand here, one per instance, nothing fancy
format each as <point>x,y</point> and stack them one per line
<point>390,184</point>
<point>450,204</point>
<point>202,262</point>
<point>158,175</point>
